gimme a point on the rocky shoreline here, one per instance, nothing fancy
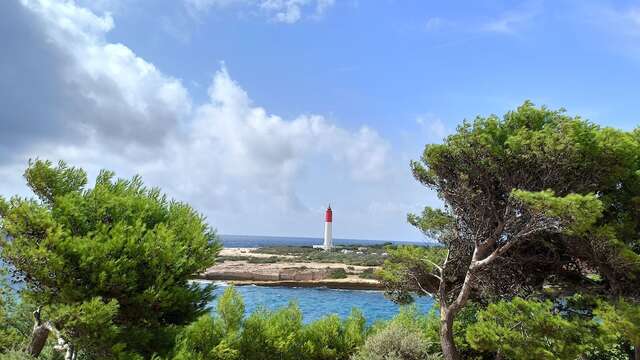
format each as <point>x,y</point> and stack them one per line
<point>288,273</point>
<point>330,284</point>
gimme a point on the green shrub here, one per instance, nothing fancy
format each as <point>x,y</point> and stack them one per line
<point>521,329</point>
<point>272,334</point>
<point>231,309</point>
<point>395,342</point>
<point>339,273</point>
<point>368,273</point>
<point>198,339</point>
<point>267,334</point>
<point>15,355</point>
<point>358,255</point>
<point>332,338</point>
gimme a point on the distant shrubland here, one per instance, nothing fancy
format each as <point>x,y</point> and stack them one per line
<point>359,255</point>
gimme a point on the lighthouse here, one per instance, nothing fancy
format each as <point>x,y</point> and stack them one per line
<point>328,239</point>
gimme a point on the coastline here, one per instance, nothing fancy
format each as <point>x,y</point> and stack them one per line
<point>329,284</point>
<point>288,271</point>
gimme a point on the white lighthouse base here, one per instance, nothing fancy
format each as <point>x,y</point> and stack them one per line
<point>328,238</point>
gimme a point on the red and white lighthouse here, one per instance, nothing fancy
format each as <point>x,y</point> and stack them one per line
<point>328,219</point>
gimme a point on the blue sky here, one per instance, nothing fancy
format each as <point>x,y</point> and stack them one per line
<point>259,112</point>
<point>384,62</point>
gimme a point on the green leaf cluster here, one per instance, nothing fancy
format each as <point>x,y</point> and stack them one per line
<point>584,178</point>
<point>621,317</point>
<point>112,263</point>
<point>579,212</point>
<point>10,335</point>
<point>522,329</point>
<point>266,334</point>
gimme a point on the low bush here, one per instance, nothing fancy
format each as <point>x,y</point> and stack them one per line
<point>267,334</point>
<point>354,255</point>
<point>339,273</point>
<point>368,273</point>
<point>395,342</point>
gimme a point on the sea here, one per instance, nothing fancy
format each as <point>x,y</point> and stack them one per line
<point>242,241</point>
<point>315,303</point>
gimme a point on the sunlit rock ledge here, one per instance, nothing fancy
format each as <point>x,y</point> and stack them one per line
<point>289,273</point>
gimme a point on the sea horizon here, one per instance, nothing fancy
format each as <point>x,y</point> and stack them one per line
<point>240,241</point>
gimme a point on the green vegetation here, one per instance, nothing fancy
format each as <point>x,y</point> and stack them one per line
<point>339,273</point>
<point>394,342</point>
<point>10,331</point>
<point>521,329</point>
<point>621,318</point>
<point>359,255</point>
<point>537,204</point>
<point>266,334</point>
<point>109,265</point>
<point>539,259</point>
<point>368,273</point>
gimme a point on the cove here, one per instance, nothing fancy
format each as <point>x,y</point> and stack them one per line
<point>318,302</point>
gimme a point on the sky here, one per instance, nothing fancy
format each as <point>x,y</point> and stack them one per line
<point>261,112</point>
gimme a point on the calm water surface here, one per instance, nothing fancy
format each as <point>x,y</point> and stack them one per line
<point>318,302</point>
<point>315,302</point>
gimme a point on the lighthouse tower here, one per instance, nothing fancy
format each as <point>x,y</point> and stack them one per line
<point>328,239</point>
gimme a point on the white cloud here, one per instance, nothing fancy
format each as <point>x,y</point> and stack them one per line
<point>114,95</point>
<point>434,127</point>
<point>513,20</point>
<point>622,21</point>
<point>243,142</point>
<point>510,21</point>
<point>229,157</point>
<point>434,23</point>
<point>282,11</point>
<point>618,26</point>
<point>323,5</point>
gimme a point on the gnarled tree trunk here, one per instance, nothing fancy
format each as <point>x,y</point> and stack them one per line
<point>449,350</point>
<point>39,336</point>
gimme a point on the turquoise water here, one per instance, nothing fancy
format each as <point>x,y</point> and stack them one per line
<point>318,302</point>
<point>314,302</point>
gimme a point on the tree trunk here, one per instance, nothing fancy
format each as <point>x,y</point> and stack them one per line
<point>449,350</point>
<point>636,352</point>
<point>39,335</point>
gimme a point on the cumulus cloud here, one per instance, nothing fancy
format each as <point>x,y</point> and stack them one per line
<point>243,142</point>
<point>73,95</point>
<point>282,11</point>
<point>66,83</point>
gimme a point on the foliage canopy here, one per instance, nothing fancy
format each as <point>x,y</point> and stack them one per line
<point>111,263</point>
